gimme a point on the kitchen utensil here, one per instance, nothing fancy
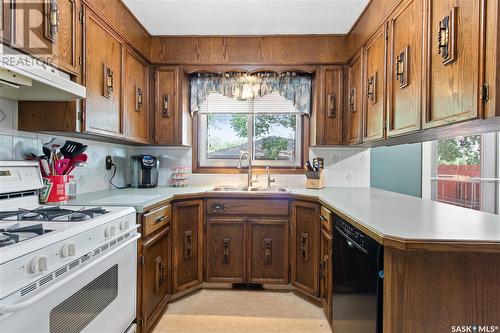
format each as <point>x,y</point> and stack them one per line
<point>61,166</point>
<point>76,162</point>
<point>44,166</point>
<point>72,148</point>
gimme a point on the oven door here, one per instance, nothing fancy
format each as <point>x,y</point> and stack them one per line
<point>99,297</point>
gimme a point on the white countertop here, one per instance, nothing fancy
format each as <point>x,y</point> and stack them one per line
<point>388,214</point>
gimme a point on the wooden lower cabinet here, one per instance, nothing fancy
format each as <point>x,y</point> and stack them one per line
<point>305,247</point>
<point>325,273</point>
<point>225,250</point>
<point>155,277</point>
<point>187,253</point>
<point>267,251</point>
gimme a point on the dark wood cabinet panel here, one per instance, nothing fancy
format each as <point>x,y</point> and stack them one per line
<point>305,247</point>
<point>326,272</point>
<point>155,273</point>
<point>136,97</point>
<point>374,80</point>
<point>187,236</point>
<point>267,251</point>
<point>405,69</point>
<point>168,116</point>
<point>5,23</point>
<point>354,107</point>
<point>225,250</point>
<point>103,79</point>
<point>329,129</point>
<point>454,61</point>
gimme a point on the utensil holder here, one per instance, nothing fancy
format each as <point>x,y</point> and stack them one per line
<point>55,189</point>
<point>315,179</point>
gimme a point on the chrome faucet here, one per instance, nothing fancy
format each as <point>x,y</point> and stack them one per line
<point>250,181</point>
<point>269,179</point>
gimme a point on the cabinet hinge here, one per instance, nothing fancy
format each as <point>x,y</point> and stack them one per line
<point>80,16</point>
<point>484,93</point>
<point>141,260</point>
<point>386,31</point>
<point>80,116</point>
<point>80,60</point>
<point>290,229</point>
<point>140,323</point>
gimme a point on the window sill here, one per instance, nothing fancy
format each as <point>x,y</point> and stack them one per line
<point>255,170</point>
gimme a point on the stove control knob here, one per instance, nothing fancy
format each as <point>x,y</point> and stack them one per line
<point>68,250</point>
<point>38,264</point>
<point>110,231</point>
<point>124,225</point>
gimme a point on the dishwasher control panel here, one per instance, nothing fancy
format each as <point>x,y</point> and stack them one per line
<point>354,235</point>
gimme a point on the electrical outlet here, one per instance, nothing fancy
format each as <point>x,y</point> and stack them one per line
<point>109,162</point>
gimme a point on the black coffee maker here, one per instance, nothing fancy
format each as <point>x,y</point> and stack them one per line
<point>145,171</point>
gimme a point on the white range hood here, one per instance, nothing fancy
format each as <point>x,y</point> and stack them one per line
<point>25,78</point>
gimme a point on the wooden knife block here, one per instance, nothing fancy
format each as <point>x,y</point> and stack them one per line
<point>315,179</point>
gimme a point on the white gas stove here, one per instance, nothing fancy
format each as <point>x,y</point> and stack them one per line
<point>63,268</point>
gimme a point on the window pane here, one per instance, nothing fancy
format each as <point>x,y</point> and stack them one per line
<point>226,135</point>
<point>458,165</point>
<point>274,136</point>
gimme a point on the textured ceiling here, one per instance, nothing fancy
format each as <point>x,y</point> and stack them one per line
<point>246,17</point>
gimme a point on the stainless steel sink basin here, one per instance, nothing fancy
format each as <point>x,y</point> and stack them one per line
<point>230,189</point>
<point>268,189</point>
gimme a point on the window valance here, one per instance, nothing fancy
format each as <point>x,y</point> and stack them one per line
<point>242,86</point>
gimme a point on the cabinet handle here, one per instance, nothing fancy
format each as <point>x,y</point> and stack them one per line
<point>322,218</point>
<point>165,110</point>
<point>332,106</point>
<point>217,207</point>
<point>52,20</point>
<point>163,270</point>
<point>446,37</point>
<point>139,97</point>
<point>188,244</point>
<point>304,246</point>
<point>160,219</point>
<point>226,244</point>
<point>268,251</point>
<point>372,88</point>
<point>158,273</point>
<point>108,81</point>
<point>352,97</point>
<point>321,275</point>
<point>402,67</point>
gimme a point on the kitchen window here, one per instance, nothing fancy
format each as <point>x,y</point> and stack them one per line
<point>268,125</point>
<point>464,171</point>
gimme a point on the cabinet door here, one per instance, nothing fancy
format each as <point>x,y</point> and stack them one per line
<point>268,251</point>
<point>455,60</point>
<point>354,100</point>
<point>329,118</point>
<point>168,116</point>
<point>136,95</point>
<point>374,78</point>
<point>325,272</point>
<point>305,247</point>
<point>65,39</point>
<point>187,244</point>
<point>405,69</point>
<point>103,68</point>
<point>5,25</point>
<point>225,254</point>
<point>155,273</point>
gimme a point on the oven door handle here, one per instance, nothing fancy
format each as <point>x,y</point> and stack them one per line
<point>4,309</point>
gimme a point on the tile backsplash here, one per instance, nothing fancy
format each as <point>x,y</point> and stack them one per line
<point>343,166</point>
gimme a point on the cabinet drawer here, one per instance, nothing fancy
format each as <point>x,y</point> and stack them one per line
<point>247,207</point>
<point>326,218</point>
<point>156,219</point>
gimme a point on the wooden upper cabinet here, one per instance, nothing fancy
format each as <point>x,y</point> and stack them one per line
<point>329,129</point>
<point>354,109</point>
<point>65,40</point>
<point>5,25</point>
<point>103,78</point>
<point>187,256</point>
<point>136,97</point>
<point>374,79</point>
<point>168,117</point>
<point>305,247</point>
<point>455,59</point>
<point>405,69</point>
<point>225,250</point>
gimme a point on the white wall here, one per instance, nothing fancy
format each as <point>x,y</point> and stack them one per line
<point>93,177</point>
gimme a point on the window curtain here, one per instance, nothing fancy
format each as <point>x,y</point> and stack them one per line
<point>242,86</point>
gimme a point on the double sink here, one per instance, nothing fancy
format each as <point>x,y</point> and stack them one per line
<point>249,189</point>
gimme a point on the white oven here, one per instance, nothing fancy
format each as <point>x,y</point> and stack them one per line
<point>99,296</point>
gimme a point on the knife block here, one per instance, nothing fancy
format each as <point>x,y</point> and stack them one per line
<point>315,179</point>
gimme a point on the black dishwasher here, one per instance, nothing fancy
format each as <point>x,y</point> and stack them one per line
<point>357,280</point>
